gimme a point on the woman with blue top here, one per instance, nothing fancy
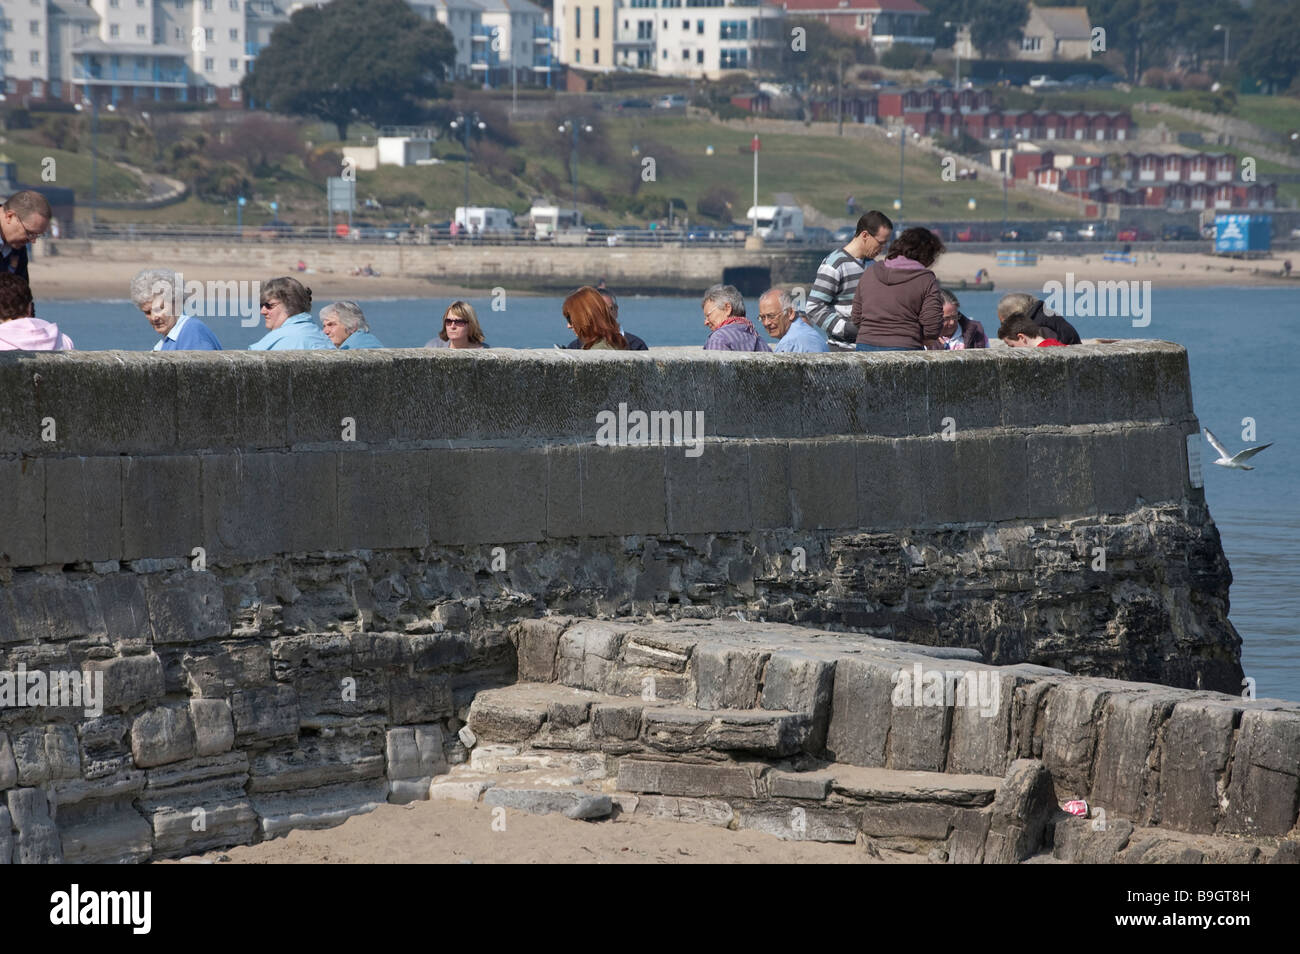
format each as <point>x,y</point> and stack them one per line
<point>344,324</point>
<point>286,308</point>
<point>160,294</point>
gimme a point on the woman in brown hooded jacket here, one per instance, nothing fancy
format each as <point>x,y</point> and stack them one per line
<point>898,305</point>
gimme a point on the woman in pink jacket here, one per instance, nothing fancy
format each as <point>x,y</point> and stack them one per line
<point>19,331</point>
<point>898,306</point>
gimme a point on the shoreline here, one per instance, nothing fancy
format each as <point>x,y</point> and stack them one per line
<point>68,277</point>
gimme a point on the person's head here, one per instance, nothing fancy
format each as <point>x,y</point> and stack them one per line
<point>1014,304</point>
<point>588,315</point>
<point>460,327</point>
<point>720,303</point>
<point>951,311</point>
<point>15,297</point>
<point>340,319</point>
<point>918,244</point>
<point>156,292</point>
<point>611,301</point>
<point>1020,331</point>
<point>873,232</point>
<point>24,218</point>
<point>282,298</point>
<point>776,312</point>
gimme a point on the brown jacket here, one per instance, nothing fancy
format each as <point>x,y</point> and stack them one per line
<point>897,304</point>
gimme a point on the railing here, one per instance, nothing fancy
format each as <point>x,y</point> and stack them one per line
<point>134,74</point>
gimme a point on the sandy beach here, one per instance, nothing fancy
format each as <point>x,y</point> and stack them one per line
<point>71,278</point>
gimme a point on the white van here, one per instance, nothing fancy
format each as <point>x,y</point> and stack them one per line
<point>777,222</point>
<point>484,220</point>
<point>547,220</point>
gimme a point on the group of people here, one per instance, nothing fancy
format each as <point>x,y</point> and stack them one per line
<point>896,306</point>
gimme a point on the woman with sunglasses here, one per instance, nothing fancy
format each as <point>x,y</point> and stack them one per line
<point>460,328</point>
<point>286,309</point>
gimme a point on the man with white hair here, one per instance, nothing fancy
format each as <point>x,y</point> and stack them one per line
<point>786,327</point>
<point>345,325</point>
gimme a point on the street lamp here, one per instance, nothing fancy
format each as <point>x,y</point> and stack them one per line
<point>94,152</point>
<point>1227,32</point>
<point>465,123</point>
<point>956,49</point>
<point>902,151</point>
<point>574,126</point>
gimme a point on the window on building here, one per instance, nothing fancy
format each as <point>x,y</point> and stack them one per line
<point>577,55</point>
<point>645,29</point>
<point>8,56</point>
<point>234,5</point>
<point>85,29</point>
<point>577,23</point>
<point>113,31</point>
<point>56,89</point>
<point>1031,44</point>
<point>234,66</point>
<point>38,87</point>
<point>207,5</point>
<point>686,24</point>
<point>180,4</point>
<point>235,94</point>
<point>36,27</point>
<point>8,25</point>
<point>734,59</point>
<point>699,56</point>
<point>734,30</point>
<point>665,54</point>
<point>36,57</point>
<point>234,34</point>
<point>11,85</point>
<point>595,23</point>
<point>209,34</point>
<point>862,21</point>
<point>113,4</point>
<point>686,54</point>
<point>210,94</point>
<point>140,30</point>
<point>209,64</point>
<point>699,27</point>
<point>180,35</point>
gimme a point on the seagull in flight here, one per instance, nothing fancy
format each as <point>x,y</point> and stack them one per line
<point>1237,461</point>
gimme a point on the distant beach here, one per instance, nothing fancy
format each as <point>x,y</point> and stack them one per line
<point>77,278</point>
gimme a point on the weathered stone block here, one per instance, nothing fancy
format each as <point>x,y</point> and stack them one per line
<point>1023,812</point>
<point>797,823</point>
<point>861,708</point>
<point>687,778</point>
<point>616,721</point>
<point>1070,720</point>
<point>702,494</point>
<point>822,477</point>
<point>1265,789</point>
<point>537,640</point>
<point>383,499</point>
<point>808,785</point>
<point>923,822</point>
<point>22,515</point>
<point>161,735</point>
<point>161,516</point>
<point>45,753</point>
<point>421,697</point>
<point>8,768</point>
<point>219,674</point>
<point>187,608</point>
<point>769,484</point>
<point>315,761</point>
<point>104,831</point>
<point>37,842</point>
<point>505,719</point>
<point>87,524</point>
<point>1076,841</point>
<point>701,810</point>
<point>1123,771</point>
<point>264,715</point>
<point>727,677</point>
<point>214,726</point>
<point>1197,741</point>
<point>567,715</point>
<point>129,680</point>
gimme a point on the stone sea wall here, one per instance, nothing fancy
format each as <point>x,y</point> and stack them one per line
<point>295,570</point>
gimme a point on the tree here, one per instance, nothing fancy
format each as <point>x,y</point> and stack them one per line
<point>352,60</point>
<point>994,24</point>
<point>1272,53</point>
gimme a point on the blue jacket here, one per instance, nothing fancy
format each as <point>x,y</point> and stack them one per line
<point>298,333</point>
<point>189,334</point>
<point>360,339</point>
<point>801,336</point>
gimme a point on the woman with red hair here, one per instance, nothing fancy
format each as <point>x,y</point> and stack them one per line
<point>589,316</point>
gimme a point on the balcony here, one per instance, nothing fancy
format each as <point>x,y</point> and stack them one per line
<point>150,75</point>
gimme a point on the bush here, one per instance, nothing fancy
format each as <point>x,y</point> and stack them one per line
<point>902,56</point>
<point>730,111</point>
<point>717,203</point>
<point>1224,101</point>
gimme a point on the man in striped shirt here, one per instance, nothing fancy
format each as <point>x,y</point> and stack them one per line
<point>830,303</point>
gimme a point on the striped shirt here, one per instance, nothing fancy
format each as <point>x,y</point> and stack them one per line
<point>833,290</point>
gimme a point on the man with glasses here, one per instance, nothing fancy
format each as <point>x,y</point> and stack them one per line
<point>830,302</point>
<point>783,324</point>
<point>23,219</point>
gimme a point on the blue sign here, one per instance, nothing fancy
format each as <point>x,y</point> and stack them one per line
<point>243,201</point>
<point>1243,233</point>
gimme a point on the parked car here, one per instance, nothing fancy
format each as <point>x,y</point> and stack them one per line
<point>1089,233</point>
<point>972,234</point>
<point>1013,235</point>
<point>635,104</point>
<point>1043,81</point>
<point>1133,235</point>
<point>670,101</point>
<point>1078,81</point>
<point>1054,235</point>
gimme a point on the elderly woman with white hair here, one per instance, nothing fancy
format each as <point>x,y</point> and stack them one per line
<point>160,294</point>
<point>345,325</point>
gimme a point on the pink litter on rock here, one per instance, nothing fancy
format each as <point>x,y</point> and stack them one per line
<point>1076,807</point>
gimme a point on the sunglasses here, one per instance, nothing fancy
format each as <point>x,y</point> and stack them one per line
<point>455,321</point>
<point>269,304</point>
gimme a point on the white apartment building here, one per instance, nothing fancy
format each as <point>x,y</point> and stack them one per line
<point>699,38</point>
<point>140,51</point>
